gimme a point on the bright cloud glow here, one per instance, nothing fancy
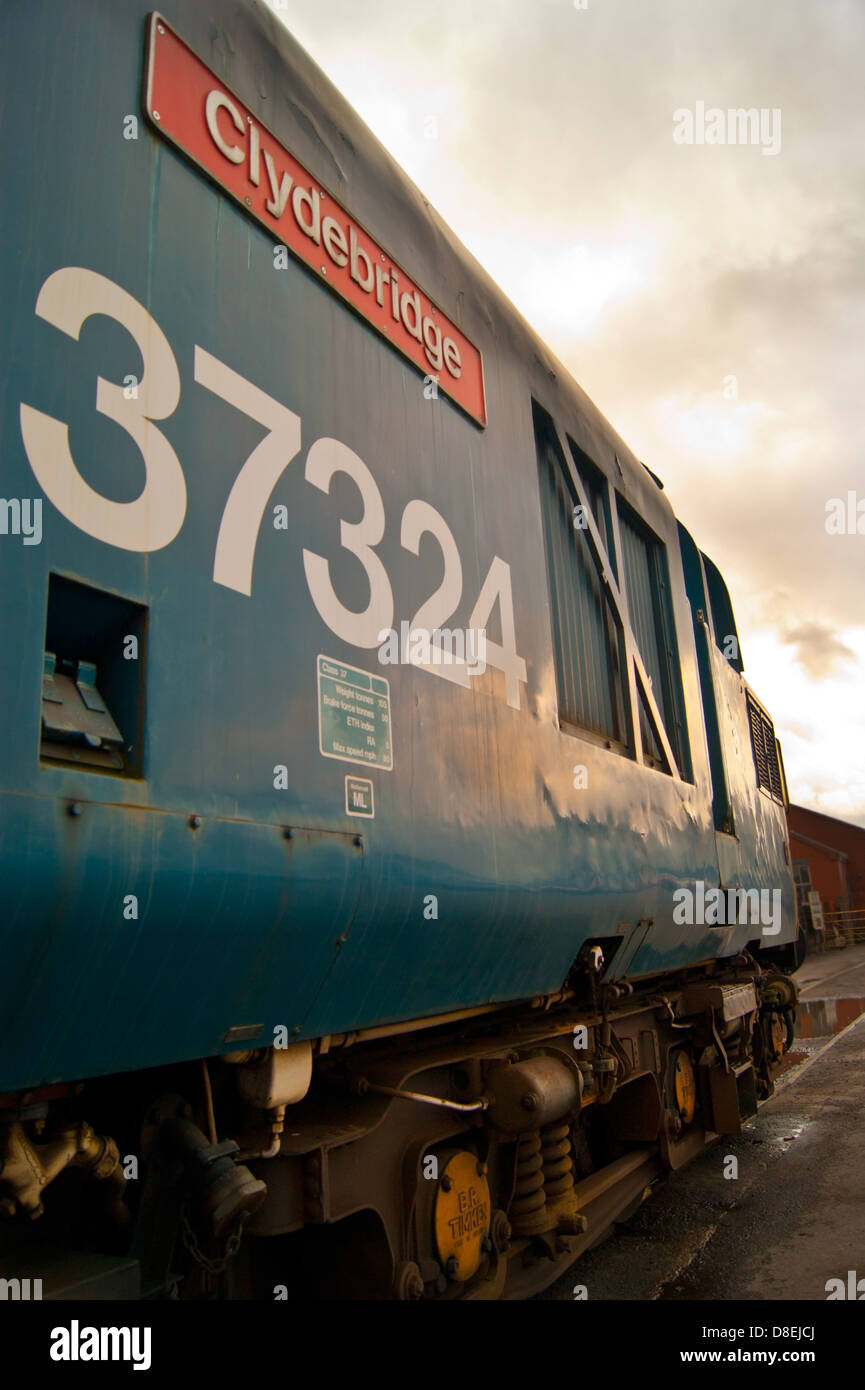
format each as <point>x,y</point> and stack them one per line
<point>821,727</point>
<point>566,290</point>
<point>711,429</point>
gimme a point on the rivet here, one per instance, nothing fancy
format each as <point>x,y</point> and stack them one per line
<point>248,201</point>
<point>446,1183</point>
<point>160,29</point>
<point>358,841</point>
<point>75,808</point>
<point>195,822</point>
<point>287,833</point>
<point>156,115</point>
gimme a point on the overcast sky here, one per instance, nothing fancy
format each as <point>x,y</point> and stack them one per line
<point>658,271</point>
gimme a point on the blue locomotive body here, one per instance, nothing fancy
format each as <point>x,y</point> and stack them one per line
<point>222,813</point>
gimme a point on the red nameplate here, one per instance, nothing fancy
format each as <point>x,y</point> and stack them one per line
<point>195,110</point>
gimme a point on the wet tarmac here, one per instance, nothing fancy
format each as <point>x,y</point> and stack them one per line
<point>789,1214</point>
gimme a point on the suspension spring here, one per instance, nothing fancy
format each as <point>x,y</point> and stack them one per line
<point>528,1208</point>
<point>558,1164</point>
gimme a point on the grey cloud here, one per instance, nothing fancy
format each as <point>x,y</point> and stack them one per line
<point>819,650</point>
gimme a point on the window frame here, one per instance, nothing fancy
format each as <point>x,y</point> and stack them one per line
<point>547,436</point>
<point>672,701</point>
<point>606,554</point>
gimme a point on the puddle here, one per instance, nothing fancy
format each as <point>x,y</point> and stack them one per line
<point>792,1059</point>
<point>821,1018</point>
<point>781,1131</point>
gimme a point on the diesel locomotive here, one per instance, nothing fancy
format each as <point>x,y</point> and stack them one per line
<point>395,875</point>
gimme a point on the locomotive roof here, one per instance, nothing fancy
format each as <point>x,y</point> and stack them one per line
<point>274,74</point>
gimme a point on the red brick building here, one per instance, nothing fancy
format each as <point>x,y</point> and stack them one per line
<point>828,857</point>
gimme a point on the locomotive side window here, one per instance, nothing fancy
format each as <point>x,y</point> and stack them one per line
<point>587,638</point>
<point>766,750</point>
<point>647,582</point>
<point>695,586</point>
<point>598,496</point>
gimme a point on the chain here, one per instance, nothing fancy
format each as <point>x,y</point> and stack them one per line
<point>232,1245</point>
